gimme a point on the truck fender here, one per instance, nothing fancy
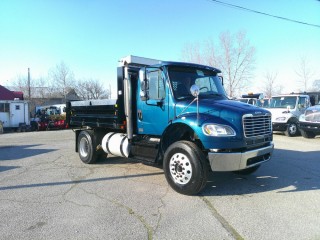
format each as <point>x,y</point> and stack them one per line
<point>178,131</point>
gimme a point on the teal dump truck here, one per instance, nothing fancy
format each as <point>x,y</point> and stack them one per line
<point>177,115</point>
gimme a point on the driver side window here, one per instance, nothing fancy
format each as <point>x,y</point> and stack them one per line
<point>302,102</point>
<point>156,88</point>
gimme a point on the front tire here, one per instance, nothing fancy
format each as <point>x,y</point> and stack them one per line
<point>292,129</point>
<point>185,167</point>
<point>307,134</point>
<point>87,147</point>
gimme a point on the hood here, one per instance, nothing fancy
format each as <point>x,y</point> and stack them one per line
<point>281,112</point>
<point>313,109</point>
<point>312,114</point>
<point>211,106</point>
<point>278,111</point>
<point>228,110</point>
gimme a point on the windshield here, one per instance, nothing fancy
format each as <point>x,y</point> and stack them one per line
<point>244,100</point>
<point>52,111</point>
<point>283,102</point>
<point>182,78</point>
<point>263,103</point>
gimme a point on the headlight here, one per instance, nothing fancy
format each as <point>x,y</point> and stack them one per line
<point>302,117</point>
<point>281,119</point>
<point>218,130</point>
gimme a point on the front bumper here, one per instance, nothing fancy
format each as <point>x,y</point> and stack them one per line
<point>239,160</point>
<point>276,126</point>
<point>310,127</point>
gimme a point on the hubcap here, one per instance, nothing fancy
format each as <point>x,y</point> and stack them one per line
<point>293,128</point>
<point>180,168</point>
<point>84,147</point>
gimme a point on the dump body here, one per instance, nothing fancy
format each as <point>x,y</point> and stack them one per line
<point>96,114</point>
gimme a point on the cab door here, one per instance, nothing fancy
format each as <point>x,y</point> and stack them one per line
<point>152,111</point>
<point>303,104</point>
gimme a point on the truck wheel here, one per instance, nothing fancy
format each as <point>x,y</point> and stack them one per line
<point>292,129</point>
<point>247,171</point>
<point>86,147</point>
<point>185,167</point>
<point>307,134</point>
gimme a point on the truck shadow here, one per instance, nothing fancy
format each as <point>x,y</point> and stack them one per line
<point>21,151</point>
<point>72,182</point>
<point>287,171</point>
<point>7,168</point>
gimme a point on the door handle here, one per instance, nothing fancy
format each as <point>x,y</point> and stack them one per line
<point>139,115</point>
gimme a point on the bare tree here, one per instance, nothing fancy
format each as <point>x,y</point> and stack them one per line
<point>316,85</point>
<point>270,86</point>
<point>91,89</point>
<point>192,52</point>
<point>237,61</point>
<point>305,73</point>
<point>210,53</point>
<point>37,85</point>
<point>234,56</point>
<point>62,78</point>
<point>20,83</point>
<point>204,53</point>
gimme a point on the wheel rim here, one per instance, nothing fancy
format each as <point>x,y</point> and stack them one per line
<point>180,168</point>
<point>84,147</point>
<point>292,128</point>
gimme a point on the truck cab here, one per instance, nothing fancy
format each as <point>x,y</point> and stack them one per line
<point>286,110</point>
<point>177,115</point>
<point>252,98</point>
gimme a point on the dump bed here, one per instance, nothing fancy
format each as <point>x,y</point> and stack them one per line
<point>104,113</point>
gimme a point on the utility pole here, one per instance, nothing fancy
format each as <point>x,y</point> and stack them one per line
<point>29,88</point>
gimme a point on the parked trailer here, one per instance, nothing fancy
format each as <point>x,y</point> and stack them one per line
<point>157,119</point>
<point>14,114</point>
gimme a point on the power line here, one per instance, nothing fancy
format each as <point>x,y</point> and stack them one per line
<point>262,13</point>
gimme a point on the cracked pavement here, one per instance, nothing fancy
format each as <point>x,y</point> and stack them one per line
<point>46,192</point>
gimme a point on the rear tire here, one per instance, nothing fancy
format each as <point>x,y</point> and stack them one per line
<point>185,167</point>
<point>307,134</point>
<point>87,147</point>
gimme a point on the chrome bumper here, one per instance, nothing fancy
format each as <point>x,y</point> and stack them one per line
<point>240,160</point>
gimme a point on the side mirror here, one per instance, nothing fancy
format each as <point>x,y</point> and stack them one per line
<point>142,74</point>
<point>221,79</point>
<point>288,108</point>
<point>143,84</point>
<point>195,90</point>
<point>261,96</point>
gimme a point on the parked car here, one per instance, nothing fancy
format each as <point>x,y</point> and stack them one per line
<point>309,122</point>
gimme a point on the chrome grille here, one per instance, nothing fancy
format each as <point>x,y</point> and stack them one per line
<point>257,125</point>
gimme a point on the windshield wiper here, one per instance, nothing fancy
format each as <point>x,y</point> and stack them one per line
<point>185,97</point>
<point>211,94</point>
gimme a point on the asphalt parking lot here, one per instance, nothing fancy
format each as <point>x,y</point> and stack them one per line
<point>46,192</point>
